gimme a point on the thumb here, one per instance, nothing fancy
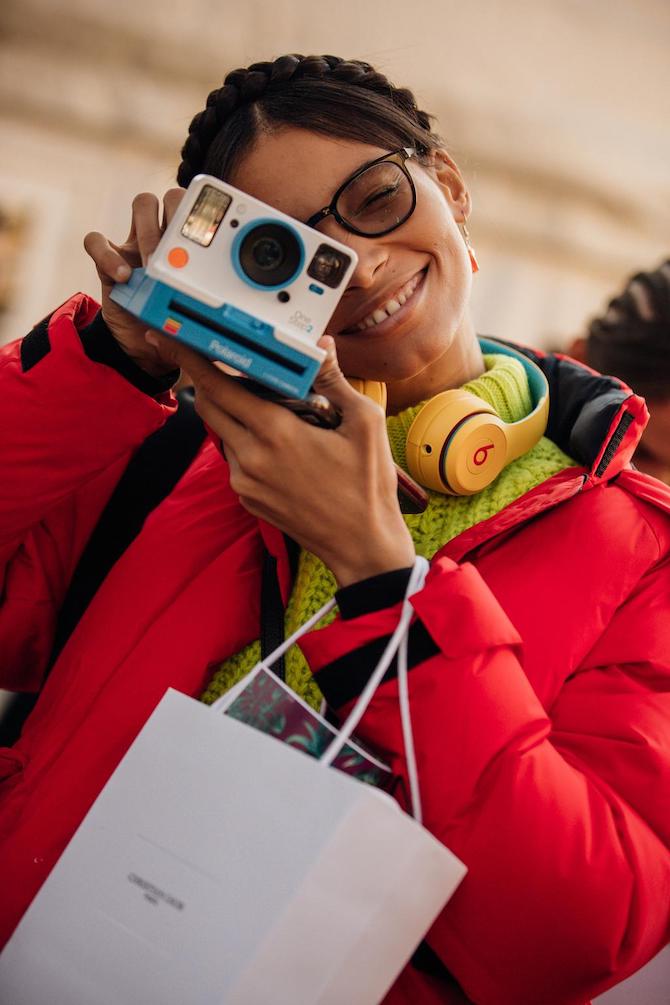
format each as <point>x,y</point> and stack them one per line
<point>330,380</point>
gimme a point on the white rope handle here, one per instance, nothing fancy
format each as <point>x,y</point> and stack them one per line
<point>397,643</point>
<point>408,732</point>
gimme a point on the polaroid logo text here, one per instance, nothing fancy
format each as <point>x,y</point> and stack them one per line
<point>225,352</point>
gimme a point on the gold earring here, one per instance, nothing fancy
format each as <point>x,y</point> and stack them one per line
<point>471,250</point>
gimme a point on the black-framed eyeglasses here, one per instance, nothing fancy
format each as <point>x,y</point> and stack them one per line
<point>376,199</point>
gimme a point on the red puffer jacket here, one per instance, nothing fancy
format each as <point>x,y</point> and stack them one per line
<point>540,672</point>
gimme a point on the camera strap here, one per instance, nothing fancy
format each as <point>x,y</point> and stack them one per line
<point>150,476</point>
<point>272,614</point>
<point>272,632</point>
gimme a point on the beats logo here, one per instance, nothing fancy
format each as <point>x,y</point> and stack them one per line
<point>481,455</point>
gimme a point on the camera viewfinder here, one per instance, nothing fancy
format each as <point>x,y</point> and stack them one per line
<point>328,266</point>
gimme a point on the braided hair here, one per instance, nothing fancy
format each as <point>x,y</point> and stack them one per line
<point>318,93</point>
<point>632,339</point>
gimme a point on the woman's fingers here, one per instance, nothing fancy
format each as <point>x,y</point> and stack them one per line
<point>114,262</point>
<point>226,426</point>
<point>171,201</point>
<point>149,220</point>
<point>111,265</point>
<point>330,380</point>
<point>146,208</point>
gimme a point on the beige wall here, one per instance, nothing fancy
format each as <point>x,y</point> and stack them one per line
<point>557,112</point>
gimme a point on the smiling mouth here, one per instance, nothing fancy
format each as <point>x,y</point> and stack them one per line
<point>390,307</point>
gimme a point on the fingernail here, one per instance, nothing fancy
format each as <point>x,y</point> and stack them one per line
<point>123,272</point>
<point>151,338</point>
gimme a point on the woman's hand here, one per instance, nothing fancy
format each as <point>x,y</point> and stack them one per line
<point>332,490</point>
<point>114,263</point>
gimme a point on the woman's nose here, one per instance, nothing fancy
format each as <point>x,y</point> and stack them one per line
<point>372,256</point>
<point>371,261</point>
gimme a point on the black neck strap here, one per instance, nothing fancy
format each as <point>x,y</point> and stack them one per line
<point>272,614</point>
<point>272,605</point>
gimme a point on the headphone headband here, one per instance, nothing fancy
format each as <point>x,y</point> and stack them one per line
<point>532,426</point>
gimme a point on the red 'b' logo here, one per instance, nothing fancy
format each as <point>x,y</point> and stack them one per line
<point>482,455</point>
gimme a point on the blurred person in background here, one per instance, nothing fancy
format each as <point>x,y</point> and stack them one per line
<point>539,654</point>
<point>631,340</point>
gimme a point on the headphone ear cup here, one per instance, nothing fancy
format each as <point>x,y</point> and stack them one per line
<point>373,389</point>
<point>475,455</point>
<point>457,444</point>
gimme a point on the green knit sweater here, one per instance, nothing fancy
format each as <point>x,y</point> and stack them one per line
<point>504,385</point>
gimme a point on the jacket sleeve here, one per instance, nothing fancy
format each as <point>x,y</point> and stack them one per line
<point>69,421</point>
<point>561,816</point>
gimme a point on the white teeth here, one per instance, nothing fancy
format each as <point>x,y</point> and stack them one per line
<point>391,306</point>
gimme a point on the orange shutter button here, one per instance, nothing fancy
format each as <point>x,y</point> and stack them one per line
<point>177,257</point>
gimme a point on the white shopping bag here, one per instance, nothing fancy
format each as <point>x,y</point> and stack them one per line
<point>219,865</point>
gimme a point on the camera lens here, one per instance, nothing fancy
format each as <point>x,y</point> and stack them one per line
<point>267,253</point>
<point>270,254</point>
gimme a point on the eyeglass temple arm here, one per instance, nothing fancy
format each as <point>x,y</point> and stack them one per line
<point>313,220</point>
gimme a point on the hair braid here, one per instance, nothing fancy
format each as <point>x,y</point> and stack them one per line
<point>248,88</point>
<point>632,338</point>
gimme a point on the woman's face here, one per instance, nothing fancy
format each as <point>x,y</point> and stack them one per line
<point>422,344</point>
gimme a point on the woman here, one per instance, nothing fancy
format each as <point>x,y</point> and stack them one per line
<point>539,658</point>
<point>632,340</point>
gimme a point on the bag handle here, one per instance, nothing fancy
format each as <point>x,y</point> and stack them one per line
<point>396,644</point>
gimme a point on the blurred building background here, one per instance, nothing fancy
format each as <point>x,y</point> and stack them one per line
<point>557,111</point>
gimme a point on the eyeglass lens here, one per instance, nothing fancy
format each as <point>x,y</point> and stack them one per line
<point>378,199</point>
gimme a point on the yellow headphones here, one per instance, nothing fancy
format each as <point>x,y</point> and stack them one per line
<point>458,444</point>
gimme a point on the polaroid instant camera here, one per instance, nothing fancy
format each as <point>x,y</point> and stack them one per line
<point>243,284</point>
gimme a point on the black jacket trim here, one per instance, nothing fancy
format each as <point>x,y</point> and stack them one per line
<point>36,345</point>
<point>344,679</point>
<point>373,594</point>
<point>582,405</point>
<point>101,347</point>
<point>613,445</point>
